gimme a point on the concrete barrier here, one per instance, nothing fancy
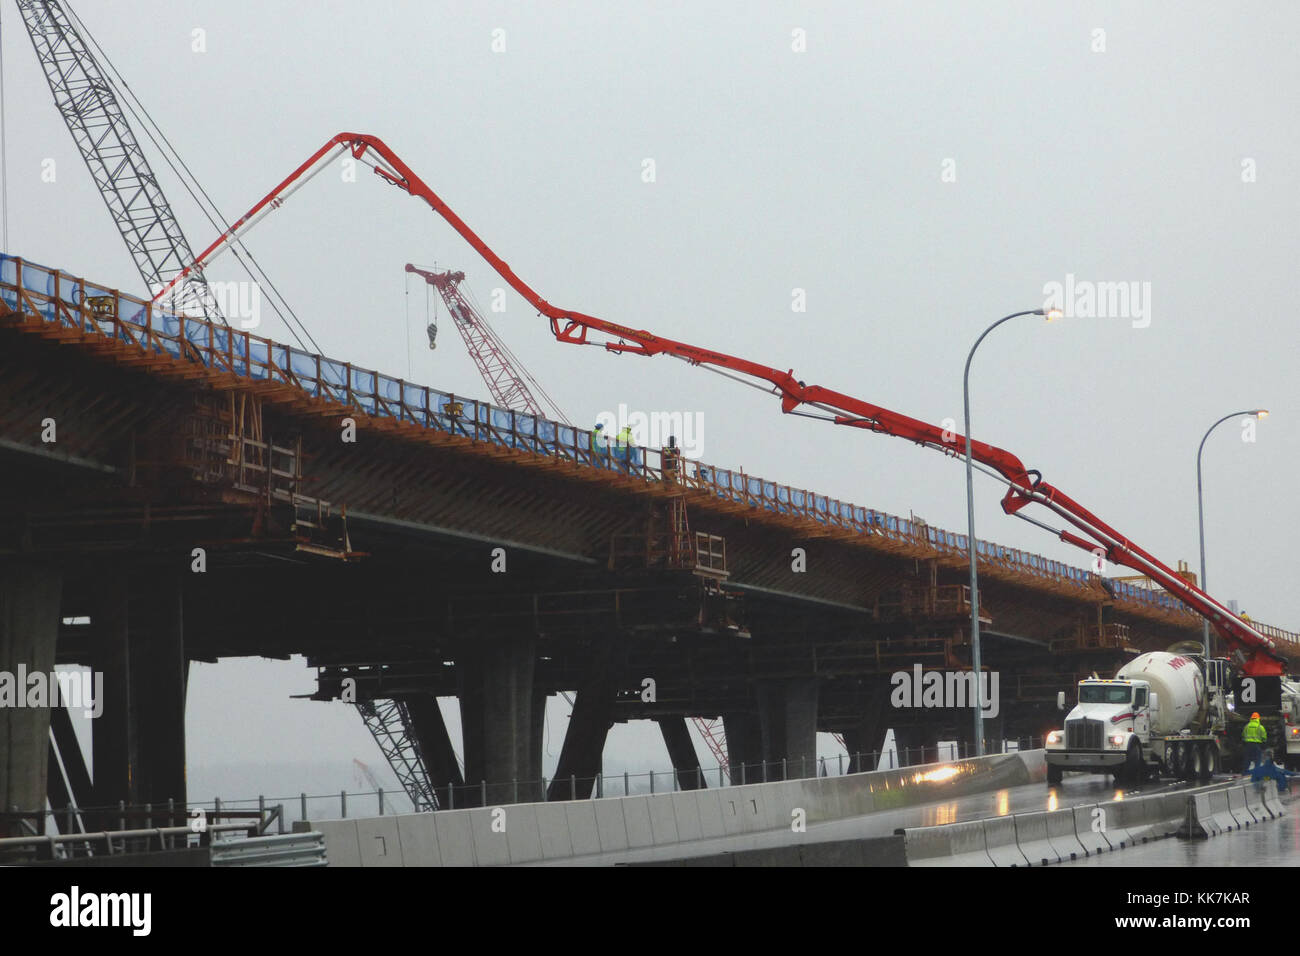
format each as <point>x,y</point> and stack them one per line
<point>584,829</point>
<point>712,822</point>
<point>1212,815</point>
<point>1237,807</point>
<point>1032,839</point>
<point>663,821</point>
<point>1090,834</point>
<point>636,821</point>
<point>1219,810</point>
<point>1065,840</point>
<point>455,840</point>
<point>491,847</point>
<point>419,835</point>
<point>1110,821</point>
<point>523,833</point>
<point>1168,814</point>
<point>610,825</point>
<point>1255,800</point>
<point>341,847</point>
<point>556,831</point>
<point>1132,815</point>
<point>553,826</point>
<point>686,816</point>
<point>953,844</point>
<point>1000,842</point>
<point>1273,800</point>
<point>378,842</point>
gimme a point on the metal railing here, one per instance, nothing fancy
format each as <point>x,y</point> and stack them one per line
<point>65,302</point>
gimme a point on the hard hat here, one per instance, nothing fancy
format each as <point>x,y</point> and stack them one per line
<point>599,426</point>
<point>1254,716</point>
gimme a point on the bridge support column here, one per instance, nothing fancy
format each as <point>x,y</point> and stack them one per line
<point>581,757</point>
<point>112,739</point>
<point>681,749</point>
<point>159,676</point>
<point>916,745</point>
<point>29,631</point>
<point>744,746</point>
<point>863,744</point>
<point>866,740</point>
<point>138,741</point>
<point>498,708</point>
<point>788,713</point>
<point>435,744</point>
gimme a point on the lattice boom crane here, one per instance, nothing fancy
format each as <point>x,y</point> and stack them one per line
<point>504,374</point>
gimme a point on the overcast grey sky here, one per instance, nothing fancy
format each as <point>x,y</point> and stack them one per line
<point>920,169</point>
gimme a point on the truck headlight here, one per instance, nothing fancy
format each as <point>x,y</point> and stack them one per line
<point>1117,741</point>
<point>1295,731</point>
<point>1054,738</point>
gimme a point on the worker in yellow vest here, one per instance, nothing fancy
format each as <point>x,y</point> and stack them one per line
<point>623,446</point>
<point>599,446</point>
<point>1254,736</point>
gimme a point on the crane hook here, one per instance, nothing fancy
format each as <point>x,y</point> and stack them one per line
<point>432,330</point>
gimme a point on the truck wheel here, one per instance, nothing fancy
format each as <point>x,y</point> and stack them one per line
<point>1195,762</point>
<point>1054,775</point>
<point>1174,761</point>
<point>1132,773</point>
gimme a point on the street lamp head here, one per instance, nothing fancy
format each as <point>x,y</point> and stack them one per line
<point>1261,413</point>
<point>1052,314</point>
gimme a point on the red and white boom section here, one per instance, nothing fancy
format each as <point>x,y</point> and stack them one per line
<point>1024,486</point>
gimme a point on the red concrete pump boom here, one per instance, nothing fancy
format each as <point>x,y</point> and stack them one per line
<point>1024,486</point>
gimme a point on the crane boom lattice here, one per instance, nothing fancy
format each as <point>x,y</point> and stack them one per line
<point>86,99</point>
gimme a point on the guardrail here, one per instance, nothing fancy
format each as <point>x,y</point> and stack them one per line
<point>290,849</point>
<point>73,846</point>
<point>65,301</point>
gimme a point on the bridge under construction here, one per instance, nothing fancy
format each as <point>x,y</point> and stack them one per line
<point>178,490</point>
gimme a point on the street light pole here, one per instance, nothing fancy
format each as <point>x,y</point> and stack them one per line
<point>970,526</point>
<point>1200,514</point>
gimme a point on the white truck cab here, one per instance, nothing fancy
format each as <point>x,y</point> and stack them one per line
<point>1110,715</point>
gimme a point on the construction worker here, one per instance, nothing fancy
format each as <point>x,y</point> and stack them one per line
<point>669,458</point>
<point>1253,735</point>
<point>623,446</point>
<point>599,446</point>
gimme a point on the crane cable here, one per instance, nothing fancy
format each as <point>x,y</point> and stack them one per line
<point>217,221</point>
<point>4,147</point>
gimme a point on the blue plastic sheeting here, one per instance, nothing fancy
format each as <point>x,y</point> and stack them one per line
<point>35,279</point>
<point>363,381</point>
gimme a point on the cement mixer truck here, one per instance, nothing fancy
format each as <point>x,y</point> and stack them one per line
<point>1163,714</point>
